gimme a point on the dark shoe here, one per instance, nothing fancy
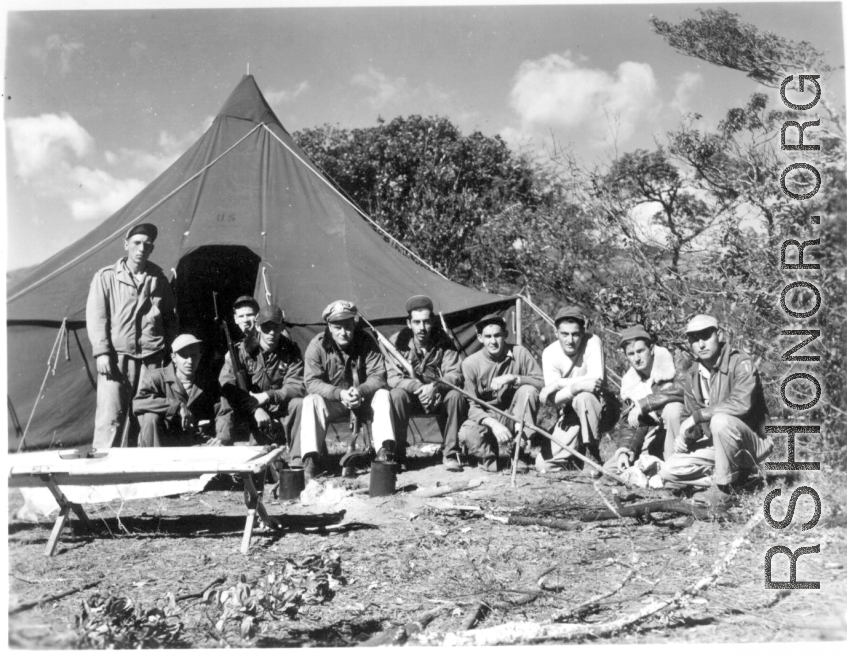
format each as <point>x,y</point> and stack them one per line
<point>386,452</point>
<point>452,463</point>
<point>749,481</point>
<point>311,467</point>
<point>488,464</point>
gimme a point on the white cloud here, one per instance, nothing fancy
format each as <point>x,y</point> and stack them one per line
<point>555,92</point>
<point>49,151</point>
<point>383,89</point>
<point>170,148</point>
<point>54,49</point>
<point>687,84</point>
<point>285,96</point>
<point>39,143</point>
<point>95,194</point>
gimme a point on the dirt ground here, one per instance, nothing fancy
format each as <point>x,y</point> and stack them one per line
<point>403,556</point>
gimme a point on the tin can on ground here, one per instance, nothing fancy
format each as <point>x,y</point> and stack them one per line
<point>383,478</point>
<point>291,483</point>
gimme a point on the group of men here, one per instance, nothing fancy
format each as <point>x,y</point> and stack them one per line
<point>705,427</point>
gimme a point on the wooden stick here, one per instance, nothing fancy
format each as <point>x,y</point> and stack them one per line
<point>518,434</point>
<point>522,633</point>
<point>50,598</point>
<point>656,506</point>
<point>389,346</point>
<point>453,487</point>
<point>565,525</point>
<point>200,593</point>
<point>536,429</point>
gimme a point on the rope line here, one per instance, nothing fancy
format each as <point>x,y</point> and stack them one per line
<point>122,229</point>
<point>323,177</point>
<point>51,367</point>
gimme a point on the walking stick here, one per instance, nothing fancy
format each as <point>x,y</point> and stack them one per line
<point>518,444</point>
<point>558,441</point>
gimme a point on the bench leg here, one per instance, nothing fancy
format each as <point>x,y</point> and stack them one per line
<point>58,526</point>
<point>65,508</point>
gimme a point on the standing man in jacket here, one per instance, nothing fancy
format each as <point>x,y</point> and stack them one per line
<point>269,411</point>
<point>431,355</point>
<point>722,437</point>
<point>574,377</point>
<point>652,394</point>
<point>508,377</point>
<point>345,372</point>
<point>131,319</point>
<point>170,403</point>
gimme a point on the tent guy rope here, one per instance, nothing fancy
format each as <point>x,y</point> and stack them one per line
<point>323,176</point>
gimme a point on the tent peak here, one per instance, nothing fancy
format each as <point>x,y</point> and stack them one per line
<point>246,102</point>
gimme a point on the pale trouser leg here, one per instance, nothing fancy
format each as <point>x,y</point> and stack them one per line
<point>108,414</point>
<point>737,447</point>
<point>587,408</point>
<point>691,469</point>
<point>382,427</point>
<point>567,430</point>
<point>151,427</point>
<point>671,419</point>
<point>315,414</point>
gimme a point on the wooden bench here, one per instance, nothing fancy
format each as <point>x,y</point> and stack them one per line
<point>118,467</point>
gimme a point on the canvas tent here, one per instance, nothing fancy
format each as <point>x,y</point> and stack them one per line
<point>242,211</point>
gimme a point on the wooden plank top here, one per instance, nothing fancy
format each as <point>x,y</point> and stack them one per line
<point>131,465</point>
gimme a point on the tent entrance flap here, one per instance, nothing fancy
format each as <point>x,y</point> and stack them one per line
<point>228,270</point>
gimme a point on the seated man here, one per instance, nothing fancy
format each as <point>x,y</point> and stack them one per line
<point>432,355</point>
<point>345,372</point>
<point>170,404</point>
<point>652,394</point>
<point>507,377</point>
<point>722,437</point>
<point>574,376</point>
<point>268,410</point>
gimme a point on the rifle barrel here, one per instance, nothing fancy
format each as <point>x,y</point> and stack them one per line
<point>536,429</point>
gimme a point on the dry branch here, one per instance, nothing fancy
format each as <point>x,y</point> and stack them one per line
<point>446,489</point>
<point>579,608</point>
<point>554,523</point>
<point>521,633</point>
<point>49,598</point>
<point>398,635</point>
<point>656,506</point>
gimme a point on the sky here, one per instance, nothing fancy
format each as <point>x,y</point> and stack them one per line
<point>98,102</point>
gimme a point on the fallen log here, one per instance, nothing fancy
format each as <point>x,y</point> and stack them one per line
<point>554,523</point>
<point>477,613</point>
<point>399,635</point>
<point>656,506</point>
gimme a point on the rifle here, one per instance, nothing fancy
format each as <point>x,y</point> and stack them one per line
<point>452,335</point>
<point>240,373</point>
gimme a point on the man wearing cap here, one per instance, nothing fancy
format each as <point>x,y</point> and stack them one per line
<point>131,317</point>
<point>269,411</point>
<point>652,393</point>
<point>574,376</point>
<point>432,356</point>
<point>507,377</point>
<point>244,311</point>
<point>170,403</point>
<point>722,437</point>
<point>345,372</point>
